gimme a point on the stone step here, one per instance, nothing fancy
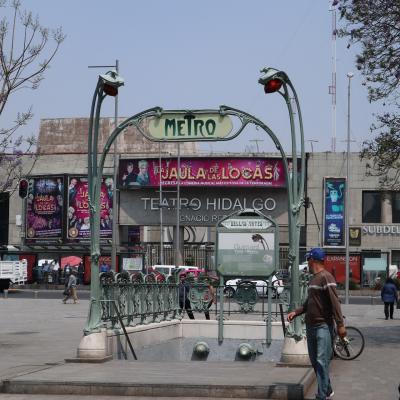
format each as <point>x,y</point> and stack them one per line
<point>163,379</point>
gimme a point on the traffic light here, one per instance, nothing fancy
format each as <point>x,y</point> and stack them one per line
<point>23,188</point>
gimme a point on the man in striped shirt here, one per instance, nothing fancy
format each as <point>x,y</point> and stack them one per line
<point>322,309</point>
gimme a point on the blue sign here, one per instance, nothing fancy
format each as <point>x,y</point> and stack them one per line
<point>334,209</point>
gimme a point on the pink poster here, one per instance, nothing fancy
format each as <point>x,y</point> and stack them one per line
<point>222,172</point>
<point>78,208</point>
<point>44,208</point>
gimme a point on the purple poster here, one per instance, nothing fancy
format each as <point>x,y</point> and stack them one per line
<point>223,172</point>
<point>44,208</point>
<point>78,208</point>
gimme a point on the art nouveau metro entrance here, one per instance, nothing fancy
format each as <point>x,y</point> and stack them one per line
<point>222,124</point>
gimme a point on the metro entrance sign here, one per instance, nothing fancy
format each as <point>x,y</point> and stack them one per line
<point>186,126</point>
<point>254,224</point>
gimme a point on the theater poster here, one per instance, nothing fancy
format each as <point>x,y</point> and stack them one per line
<point>44,208</point>
<point>334,212</point>
<point>208,172</point>
<point>78,208</point>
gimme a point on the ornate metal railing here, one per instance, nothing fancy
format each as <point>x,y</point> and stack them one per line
<point>141,299</point>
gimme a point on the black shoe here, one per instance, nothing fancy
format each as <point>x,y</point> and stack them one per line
<point>386,317</point>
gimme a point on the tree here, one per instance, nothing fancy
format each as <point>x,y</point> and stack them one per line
<point>24,58</point>
<point>374,26</point>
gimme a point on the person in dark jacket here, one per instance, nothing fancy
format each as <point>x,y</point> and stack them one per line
<point>184,301</point>
<point>389,297</point>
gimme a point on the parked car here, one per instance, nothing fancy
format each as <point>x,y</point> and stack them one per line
<point>167,270</point>
<point>261,286</point>
<point>191,270</point>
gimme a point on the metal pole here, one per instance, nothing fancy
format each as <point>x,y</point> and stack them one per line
<point>114,238</point>
<point>178,258</point>
<point>349,76</point>
<point>115,177</point>
<point>161,211</point>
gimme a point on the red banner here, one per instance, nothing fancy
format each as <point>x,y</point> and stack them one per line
<point>336,265</point>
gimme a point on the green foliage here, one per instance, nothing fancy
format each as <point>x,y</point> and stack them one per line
<point>373,27</point>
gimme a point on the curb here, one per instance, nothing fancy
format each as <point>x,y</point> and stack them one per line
<point>276,391</point>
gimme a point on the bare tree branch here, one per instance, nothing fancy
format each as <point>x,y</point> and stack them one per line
<point>25,55</point>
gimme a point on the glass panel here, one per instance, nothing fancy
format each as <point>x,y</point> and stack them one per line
<point>396,208</point>
<point>372,208</point>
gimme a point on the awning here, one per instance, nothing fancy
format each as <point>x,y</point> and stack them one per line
<point>375,264</point>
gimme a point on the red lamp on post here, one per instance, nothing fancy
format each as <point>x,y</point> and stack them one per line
<point>272,80</point>
<point>272,86</point>
<point>111,82</point>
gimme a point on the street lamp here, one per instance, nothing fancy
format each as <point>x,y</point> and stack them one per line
<point>115,236</point>
<point>273,81</point>
<point>346,288</point>
<point>107,85</point>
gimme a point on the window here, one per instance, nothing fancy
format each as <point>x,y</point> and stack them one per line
<point>396,207</point>
<point>371,207</point>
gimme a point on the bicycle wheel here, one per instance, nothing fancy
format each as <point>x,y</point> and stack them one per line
<point>350,347</point>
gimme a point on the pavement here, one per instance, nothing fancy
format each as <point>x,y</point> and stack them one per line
<point>36,335</point>
<point>375,374</point>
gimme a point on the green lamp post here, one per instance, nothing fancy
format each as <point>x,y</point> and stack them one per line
<point>274,80</point>
<point>107,85</point>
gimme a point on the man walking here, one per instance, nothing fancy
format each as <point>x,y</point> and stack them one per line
<point>322,309</point>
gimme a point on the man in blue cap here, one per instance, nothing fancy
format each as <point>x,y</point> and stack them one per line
<point>322,309</point>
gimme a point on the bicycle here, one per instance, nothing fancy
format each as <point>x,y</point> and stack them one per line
<point>349,347</point>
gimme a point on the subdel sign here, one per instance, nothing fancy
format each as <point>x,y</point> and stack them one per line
<point>190,126</point>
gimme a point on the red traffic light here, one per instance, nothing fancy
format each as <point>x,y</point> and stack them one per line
<point>273,85</point>
<point>23,188</point>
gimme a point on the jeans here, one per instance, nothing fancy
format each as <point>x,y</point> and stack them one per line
<point>319,343</point>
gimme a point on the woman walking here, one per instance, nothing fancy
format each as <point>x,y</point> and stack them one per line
<point>389,297</point>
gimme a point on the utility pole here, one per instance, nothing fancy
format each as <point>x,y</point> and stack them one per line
<point>311,143</point>
<point>256,141</point>
<point>349,76</point>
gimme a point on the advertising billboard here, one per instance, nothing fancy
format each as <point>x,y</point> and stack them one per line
<point>78,208</point>
<point>336,265</point>
<point>196,172</point>
<point>334,212</point>
<point>44,208</point>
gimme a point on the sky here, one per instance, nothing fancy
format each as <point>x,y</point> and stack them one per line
<point>187,54</point>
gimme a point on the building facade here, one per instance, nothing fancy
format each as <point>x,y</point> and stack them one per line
<point>51,224</point>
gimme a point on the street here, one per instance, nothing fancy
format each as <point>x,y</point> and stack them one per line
<point>40,333</point>
<point>84,294</point>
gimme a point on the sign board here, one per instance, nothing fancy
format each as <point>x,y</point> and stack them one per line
<point>334,212</point>
<point>201,172</point>
<point>246,223</point>
<point>198,207</point>
<point>247,245</point>
<point>44,208</point>
<point>78,208</point>
<point>189,126</point>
